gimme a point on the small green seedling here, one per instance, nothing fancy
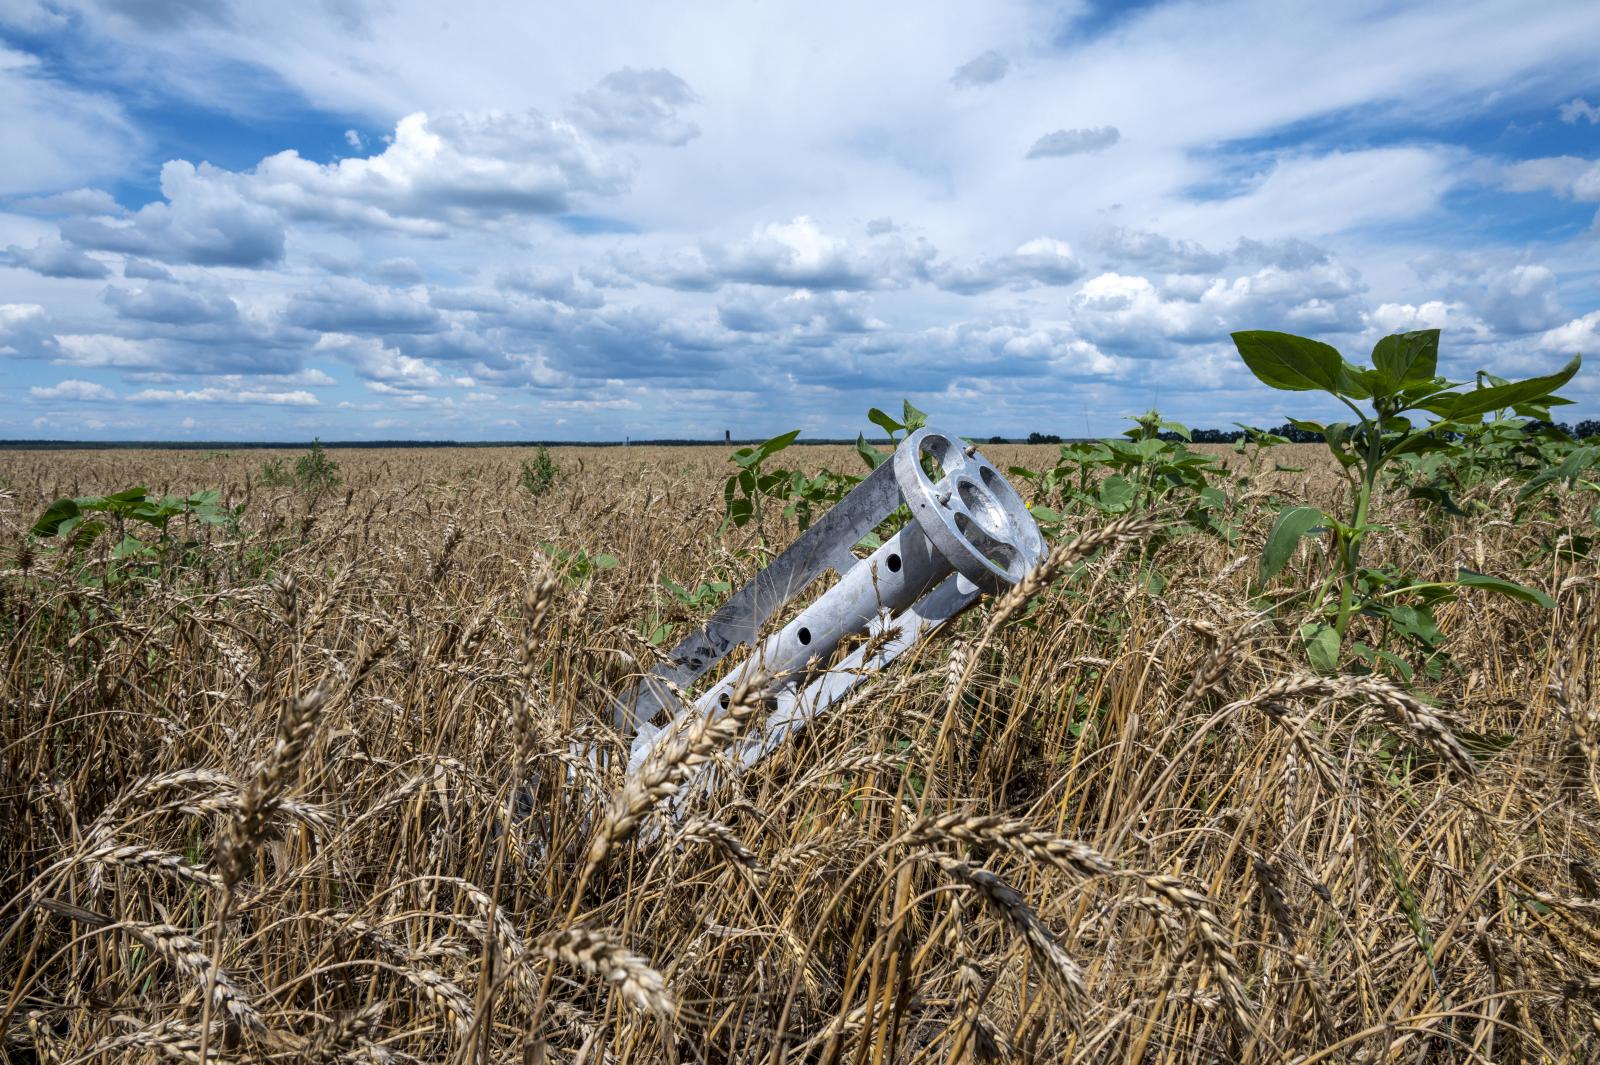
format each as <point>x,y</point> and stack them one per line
<point>1400,390</point>
<point>77,524</point>
<point>539,475</point>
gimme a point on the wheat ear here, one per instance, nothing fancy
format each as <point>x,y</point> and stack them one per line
<point>665,770</point>
<point>1005,901</point>
<point>601,952</point>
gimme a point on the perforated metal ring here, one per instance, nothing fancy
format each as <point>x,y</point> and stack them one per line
<point>970,513</point>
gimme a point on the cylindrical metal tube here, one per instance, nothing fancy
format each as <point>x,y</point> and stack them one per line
<point>891,579</point>
<point>970,531</point>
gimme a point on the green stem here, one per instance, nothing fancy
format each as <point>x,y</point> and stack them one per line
<point>1330,573</point>
<point>1416,587</point>
<point>1351,557</point>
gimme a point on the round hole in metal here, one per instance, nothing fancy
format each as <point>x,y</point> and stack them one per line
<point>937,451</point>
<point>1000,554</point>
<point>1001,488</point>
<point>986,510</point>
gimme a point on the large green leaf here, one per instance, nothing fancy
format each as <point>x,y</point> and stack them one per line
<point>1322,645</point>
<point>1416,622</point>
<point>1338,436</point>
<point>1569,470</point>
<point>1438,495</point>
<point>777,444</point>
<point>1175,427</point>
<point>754,455</point>
<point>1291,525</point>
<point>1294,364</point>
<point>1481,401</point>
<point>132,547</point>
<point>1579,460</point>
<point>1116,492</point>
<point>1357,383</point>
<point>1419,443</point>
<point>1045,515</point>
<point>49,522</point>
<point>885,422</point>
<point>1373,656</point>
<point>1538,481</point>
<point>1308,426</point>
<point>1407,358</point>
<point>913,418</point>
<point>81,531</point>
<point>1470,579</point>
<point>869,454</point>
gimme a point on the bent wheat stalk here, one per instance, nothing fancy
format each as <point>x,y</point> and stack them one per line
<point>601,952</point>
<point>662,773</point>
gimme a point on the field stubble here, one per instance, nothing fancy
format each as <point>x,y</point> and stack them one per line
<point>263,807</point>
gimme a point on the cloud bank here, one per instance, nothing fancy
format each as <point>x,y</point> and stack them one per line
<point>355,222</point>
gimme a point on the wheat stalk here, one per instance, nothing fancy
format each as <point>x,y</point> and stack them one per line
<point>1061,558</point>
<point>1015,911</point>
<point>1404,710</point>
<point>186,954</point>
<point>263,795</point>
<point>1169,892</point>
<point>663,772</point>
<point>601,953</point>
<point>987,829</point>
<point>722,839</point>
<point>133,856</point>
<point>442,994</point>
<point>345,1036</point>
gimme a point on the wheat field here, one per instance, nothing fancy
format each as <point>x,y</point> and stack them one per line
<point>314,795</point>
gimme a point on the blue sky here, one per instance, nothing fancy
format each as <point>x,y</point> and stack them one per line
<point>371,219</point>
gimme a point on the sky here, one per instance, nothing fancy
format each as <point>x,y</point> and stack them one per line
<point>395,219</point>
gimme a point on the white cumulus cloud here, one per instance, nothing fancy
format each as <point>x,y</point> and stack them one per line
<point>226,396</point>
<point>73,390</point>
<point>439,171</point>
<point>798,253</point>
<point>1074,141</point>
<point>1581,336</point>
<point>1579,109</point>
<point>382,367</point>
<point>983,69</point>
<point>1041,261</point>
<point>54,258</point>
<point>638,105</point>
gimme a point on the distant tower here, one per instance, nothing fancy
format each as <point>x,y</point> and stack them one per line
<point>727,436</point>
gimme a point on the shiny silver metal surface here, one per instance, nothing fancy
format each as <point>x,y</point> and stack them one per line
<point>970,532</point>
<point>971,513</point>
<point>826,545</point>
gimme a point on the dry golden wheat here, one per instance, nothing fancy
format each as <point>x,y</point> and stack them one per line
<point>272,803</point>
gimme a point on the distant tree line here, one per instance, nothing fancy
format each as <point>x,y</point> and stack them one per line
<point>1582,431</point>
<point>1228,436</point>
<point>1585,429</point>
